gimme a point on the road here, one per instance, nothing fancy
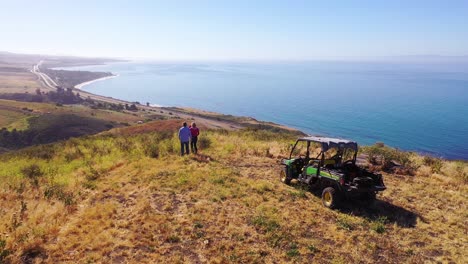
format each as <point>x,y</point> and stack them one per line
<point>44,77</point>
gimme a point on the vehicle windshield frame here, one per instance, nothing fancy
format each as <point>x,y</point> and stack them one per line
<point>343,145</point>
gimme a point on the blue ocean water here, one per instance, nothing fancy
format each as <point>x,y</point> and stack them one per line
<point>413,106</point>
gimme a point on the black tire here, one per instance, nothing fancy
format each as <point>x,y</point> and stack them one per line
<point>284,176</point>
<point>371,196</point>
<point>368,198</point>
<point>329,197</point>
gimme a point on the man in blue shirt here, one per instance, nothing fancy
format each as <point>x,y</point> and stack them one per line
<point>184,137</point>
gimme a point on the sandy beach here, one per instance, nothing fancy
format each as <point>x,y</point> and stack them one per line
<point>79,86</point>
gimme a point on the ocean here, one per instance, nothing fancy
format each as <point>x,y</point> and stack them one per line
<point>419,107</point>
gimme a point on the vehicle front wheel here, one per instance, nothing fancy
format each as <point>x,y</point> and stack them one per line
<point>284,176</point>
<point>329,197</point>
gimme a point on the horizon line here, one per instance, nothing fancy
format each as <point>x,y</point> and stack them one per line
<point>317,58</point>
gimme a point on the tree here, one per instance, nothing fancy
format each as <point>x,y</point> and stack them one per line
<point>133,108</point>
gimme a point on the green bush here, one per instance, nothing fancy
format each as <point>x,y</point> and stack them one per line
<point>33,172</point>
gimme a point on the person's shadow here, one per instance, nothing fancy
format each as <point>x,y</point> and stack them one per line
<point>378,209</point>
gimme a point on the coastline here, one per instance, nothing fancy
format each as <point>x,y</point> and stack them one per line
<point>216,119</point>
<point>80,86</point>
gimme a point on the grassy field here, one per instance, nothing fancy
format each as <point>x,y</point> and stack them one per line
<point>18,82</point>
<point>126,195</point>
<point>13,113</point>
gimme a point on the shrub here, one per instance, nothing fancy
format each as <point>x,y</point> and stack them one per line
<point>456,170</point>
<point>265,223</point>
<point>386,156</point>
<point>379,225</point>
<point>58,191</point>
<point>124,144</point>
<point>204,142</point>
<point>45,152</point>
<point>92,174</point>
<point>72,154</point>
<point>151,150</point>
<point>312,249</point>
<point>301,193</point>
<point>168,146</point>
<point>293,251</point>
<point>33,172</point>
<point>3,251</point>
<point>434,163</point>
<point>345,222</point>
<point>424,171</point>
<point>173,239</point>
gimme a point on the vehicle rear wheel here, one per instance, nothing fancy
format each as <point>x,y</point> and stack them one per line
<point>329,197</point>
<point>284,176</point>
<point>368,198</point>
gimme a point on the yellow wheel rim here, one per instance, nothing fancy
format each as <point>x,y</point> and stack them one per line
<point>327,198</point>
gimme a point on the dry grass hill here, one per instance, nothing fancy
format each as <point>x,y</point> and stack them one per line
<point>127,196</point>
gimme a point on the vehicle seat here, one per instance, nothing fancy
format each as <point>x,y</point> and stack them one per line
<point>329,163</point>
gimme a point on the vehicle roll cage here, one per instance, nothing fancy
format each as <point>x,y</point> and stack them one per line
<point>327,144</point>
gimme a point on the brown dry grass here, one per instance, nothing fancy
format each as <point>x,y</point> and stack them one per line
<point>109,202</point>
<point>14,114</point>
<point>19,82</point>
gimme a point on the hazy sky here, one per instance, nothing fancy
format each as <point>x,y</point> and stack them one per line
<point>236,29</point>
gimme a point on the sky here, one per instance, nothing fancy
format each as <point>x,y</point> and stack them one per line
<point>237,29</point>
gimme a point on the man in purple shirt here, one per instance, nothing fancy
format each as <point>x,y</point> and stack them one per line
<point>184,137</point>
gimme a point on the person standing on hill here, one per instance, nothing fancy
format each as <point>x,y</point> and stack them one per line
<point>194,131</point>
<point>184,137</point>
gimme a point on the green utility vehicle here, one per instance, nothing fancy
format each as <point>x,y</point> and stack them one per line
<point>329,165</point>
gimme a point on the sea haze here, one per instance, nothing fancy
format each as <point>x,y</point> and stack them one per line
<point>413,106</point>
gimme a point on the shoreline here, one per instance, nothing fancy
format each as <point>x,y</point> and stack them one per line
<point>81,85</point>
<point>187,113</point>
